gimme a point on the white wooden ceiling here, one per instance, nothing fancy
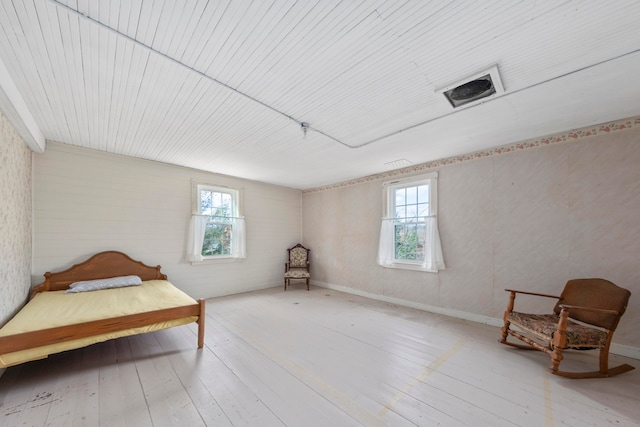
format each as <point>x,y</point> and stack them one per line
<point>224,85</point>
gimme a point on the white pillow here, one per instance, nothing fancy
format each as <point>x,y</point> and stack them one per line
<point>112,282</point>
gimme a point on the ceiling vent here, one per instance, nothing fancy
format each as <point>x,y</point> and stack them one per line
<point>474,88</point>
<point>400,163</point>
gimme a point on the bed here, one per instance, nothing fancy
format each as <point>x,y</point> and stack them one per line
<point>60,316</point>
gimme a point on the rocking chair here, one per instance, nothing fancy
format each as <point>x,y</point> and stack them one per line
<point>596,303</point>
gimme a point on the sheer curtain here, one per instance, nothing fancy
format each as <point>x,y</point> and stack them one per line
<point>197,229</point>
<point>239,239</point>
<point>195,239</point>
<point>385,248</point>
<point>433,258</point>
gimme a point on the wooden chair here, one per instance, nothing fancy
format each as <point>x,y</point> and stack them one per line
<point>597,303</point>
<point>298,265</point>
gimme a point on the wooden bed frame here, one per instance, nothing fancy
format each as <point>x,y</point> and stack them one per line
<point>100,266</point>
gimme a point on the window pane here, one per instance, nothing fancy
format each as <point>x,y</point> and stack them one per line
<point>423,194</point>
<point>412,195</point>
<point>423,210</point>
<point>222,213</point>
<point>412,212</point>
<point>205,202</point>
<point>409,242</point>
<point>226,201</point>
<point>400,197</point>
<point>217,240</point>
<point>217,199</point>
<point>400,213</point>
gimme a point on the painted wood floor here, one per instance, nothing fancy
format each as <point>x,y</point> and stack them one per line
<point>318,358</point>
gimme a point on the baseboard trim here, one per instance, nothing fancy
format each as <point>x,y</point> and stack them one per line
<point>619,349</point>
<point>625,350</point>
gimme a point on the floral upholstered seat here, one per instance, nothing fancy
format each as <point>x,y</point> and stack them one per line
<point>298,265</point>
<point>544,326</point>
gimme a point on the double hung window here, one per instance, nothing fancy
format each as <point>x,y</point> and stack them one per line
<point>219,208</point>
<point>217,227</point>
<point>409,236</point>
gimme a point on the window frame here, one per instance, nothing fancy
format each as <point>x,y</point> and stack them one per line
<point>389,210</point>
<point>236,212</point>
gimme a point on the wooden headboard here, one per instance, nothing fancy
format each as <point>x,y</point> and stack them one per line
<point>100,266</point>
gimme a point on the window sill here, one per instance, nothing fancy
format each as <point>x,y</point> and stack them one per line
<point>221,260</point>
<point>408,266</point>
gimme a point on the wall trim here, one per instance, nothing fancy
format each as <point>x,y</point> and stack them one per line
<point>619,349</point>
<point>543,141</point>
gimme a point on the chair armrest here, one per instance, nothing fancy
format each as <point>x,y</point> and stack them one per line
<point>512,300</point>
<point>533,293</point>
<point>596,310</point>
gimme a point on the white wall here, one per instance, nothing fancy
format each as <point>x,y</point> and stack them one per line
<point>528,219</point>
<point>88,201</point>
<point>15,220</point>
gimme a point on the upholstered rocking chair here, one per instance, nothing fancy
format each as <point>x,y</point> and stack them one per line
<point>298,265</point>
<point>584,318</point>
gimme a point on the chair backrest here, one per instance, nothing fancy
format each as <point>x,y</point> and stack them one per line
<point>594,293</point>
<point>298,256</point>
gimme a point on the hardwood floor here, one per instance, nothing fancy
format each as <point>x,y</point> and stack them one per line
<point>317,358</point>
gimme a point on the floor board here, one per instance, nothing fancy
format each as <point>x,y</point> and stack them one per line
<point>317,358</point>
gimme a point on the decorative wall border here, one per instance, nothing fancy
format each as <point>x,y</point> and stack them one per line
<point>568,136</point>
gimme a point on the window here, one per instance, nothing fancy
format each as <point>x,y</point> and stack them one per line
<point>219,207</point>
<point>409,236</point>
<point>411,207</point>
<point>217,228</point>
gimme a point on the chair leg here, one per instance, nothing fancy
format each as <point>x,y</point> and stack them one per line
<point>556,358</point>
<point>505,329</point>
<point>285,284</point>
<point>605,371</point>
<point>307,283</point>
<point>604,359</point>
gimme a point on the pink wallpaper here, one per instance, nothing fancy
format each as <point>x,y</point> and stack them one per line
<point>15,220</point>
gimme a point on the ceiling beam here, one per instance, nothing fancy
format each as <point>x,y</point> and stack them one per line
<point>14,107</point>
